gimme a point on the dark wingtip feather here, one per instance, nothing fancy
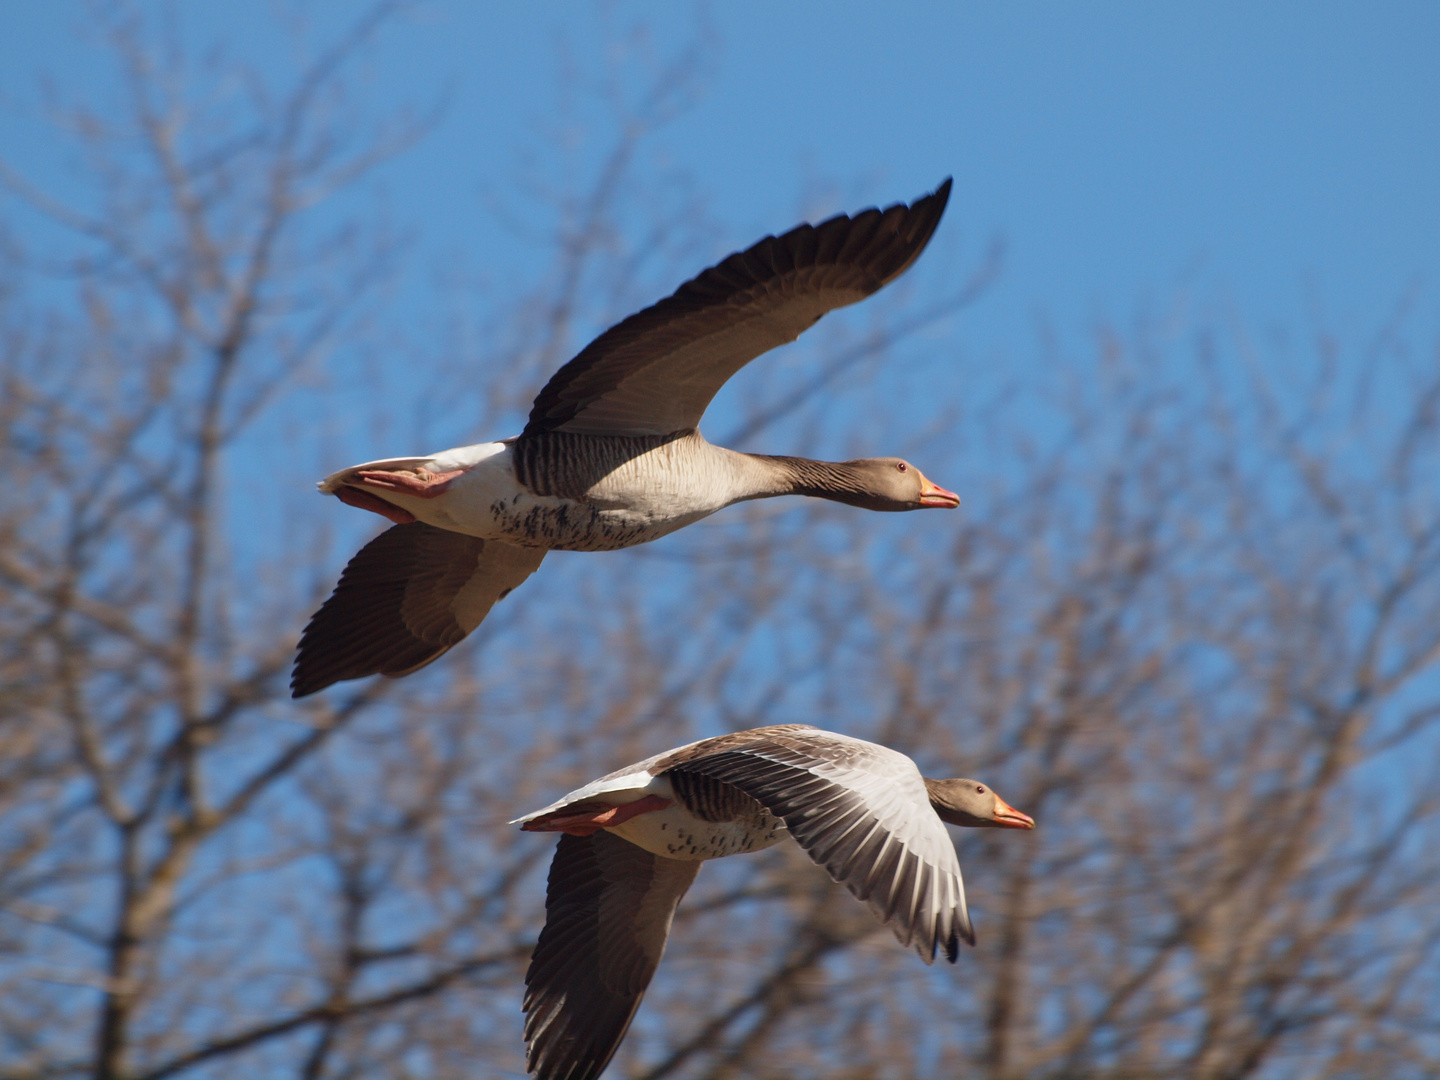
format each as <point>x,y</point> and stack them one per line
<point>921,219</point>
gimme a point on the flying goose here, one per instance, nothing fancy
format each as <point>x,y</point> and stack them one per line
<point>635,840</point>
<point>612,454</point>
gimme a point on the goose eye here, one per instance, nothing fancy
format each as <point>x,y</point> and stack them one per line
<point>979,789</point>
<point>901,466</point>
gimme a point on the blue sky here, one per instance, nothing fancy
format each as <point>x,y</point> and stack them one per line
<point>1283,157</point>
<point>1273,166</point>
<point>1278,162</point>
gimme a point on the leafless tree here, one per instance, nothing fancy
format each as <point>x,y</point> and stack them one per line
<point>1189,618</point>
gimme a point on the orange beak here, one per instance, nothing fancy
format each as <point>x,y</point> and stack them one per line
<point>1007,817</point>
<point>934,496</point>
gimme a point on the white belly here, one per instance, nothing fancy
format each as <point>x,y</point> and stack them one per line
<point>678,834</point>
<point>673,832</point>
<point>631,506</point>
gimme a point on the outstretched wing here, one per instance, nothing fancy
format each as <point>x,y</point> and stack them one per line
<point>608,908</point>
<point>865,816</point>
<point>408,596</point>
<point>656,371</point>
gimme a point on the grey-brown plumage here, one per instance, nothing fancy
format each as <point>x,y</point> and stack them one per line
<point>656,371</point>
<point>858,809</point>
<point>612,455</point>
<point>839,828</point>
<point>406,599</point>
<point>567,466</point>
<point>594,881</point>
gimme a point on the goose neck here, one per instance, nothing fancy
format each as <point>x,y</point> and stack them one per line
<point>839,481</point>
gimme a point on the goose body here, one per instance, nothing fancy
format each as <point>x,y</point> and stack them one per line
<point>612,455</point>
<point>636,837</point>
<point>595,493</point>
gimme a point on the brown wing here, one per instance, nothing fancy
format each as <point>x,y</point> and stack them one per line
<point>862,812</point>
<point>608,907</point>
<point>408,596</point>
<point>656,371</point>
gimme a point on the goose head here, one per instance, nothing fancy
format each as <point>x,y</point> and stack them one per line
<point>887,483</point>
<point>974,805</point>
